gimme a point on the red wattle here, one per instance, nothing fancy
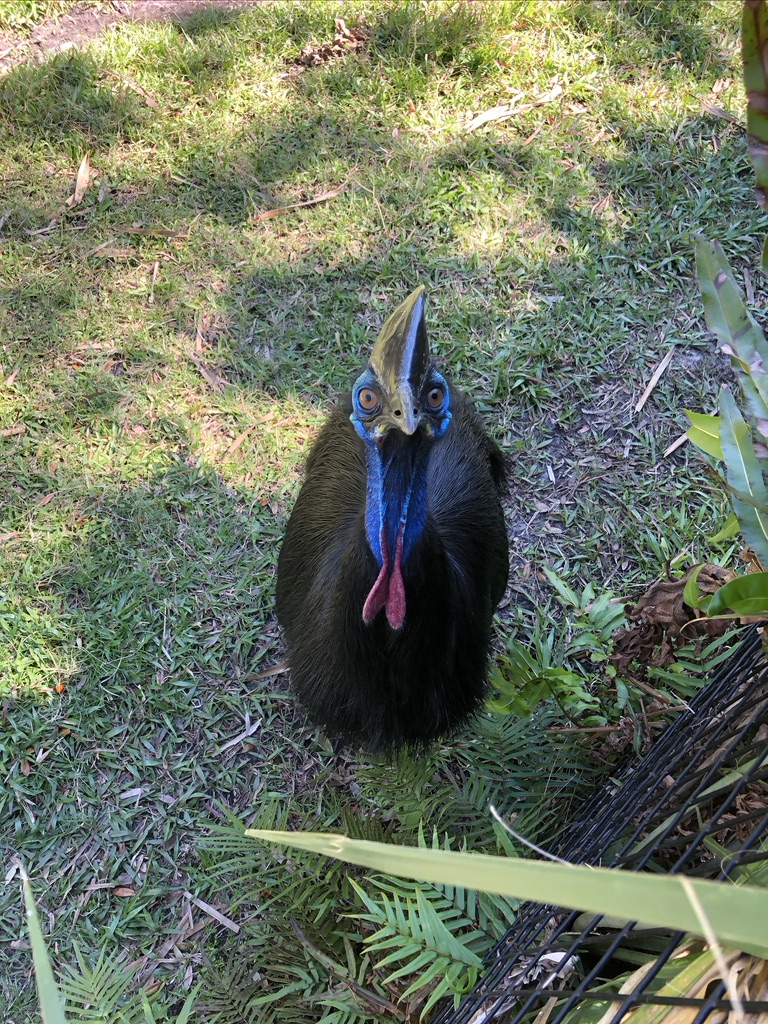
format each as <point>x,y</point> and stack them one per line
<point>378,596</point>
<point>396,597</point>
<point>389,590</point>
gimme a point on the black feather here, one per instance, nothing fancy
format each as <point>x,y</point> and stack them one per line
<point>370,684</point>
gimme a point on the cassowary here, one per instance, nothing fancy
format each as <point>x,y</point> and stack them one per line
<point>395,555</point>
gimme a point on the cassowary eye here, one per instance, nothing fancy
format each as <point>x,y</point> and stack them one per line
<point>435,398</point>
<point>368,399</point>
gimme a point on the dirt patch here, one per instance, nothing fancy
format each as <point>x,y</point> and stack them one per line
<point>85,22</point>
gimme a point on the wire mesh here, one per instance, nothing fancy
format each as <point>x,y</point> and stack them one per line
<point>696,803</point>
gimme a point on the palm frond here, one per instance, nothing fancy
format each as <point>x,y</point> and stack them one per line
<point>101,991</point>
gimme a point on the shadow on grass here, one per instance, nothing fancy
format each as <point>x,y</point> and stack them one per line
<point>666,32</point>
<point>156,600</point>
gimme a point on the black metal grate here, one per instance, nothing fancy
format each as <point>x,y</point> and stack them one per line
<point>677,809</point>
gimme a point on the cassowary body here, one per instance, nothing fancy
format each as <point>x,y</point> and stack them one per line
<point>395,555</point>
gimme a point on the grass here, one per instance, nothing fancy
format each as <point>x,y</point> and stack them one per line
<point>165,357</point>
<point>22,15</point>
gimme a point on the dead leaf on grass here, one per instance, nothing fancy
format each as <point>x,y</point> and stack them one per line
<point>46,500</point>
<point>217,382</point>
<point>114,251</point>
<point>655,378</point>
<point>123,890</point>
<point>664,620</point>
<point>10,379</point>
<point>321,198</point>
<point>715,111</point>
<point>273,670</point>
<point>345,39</point>
<point>81,183</point>
<point>206,908</point>
<point>17,428</point>
<point>239,440</point>
<point>506,110</point>
<point>148,98</point>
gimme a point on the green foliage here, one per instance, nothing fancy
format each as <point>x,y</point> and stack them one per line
<point>165,358</point>
<point>51,1007</point>
<point>24,14</point>
<point>734,914</point>
<point>428,949</point>
<point>738,442</point>
<point>526,676</point>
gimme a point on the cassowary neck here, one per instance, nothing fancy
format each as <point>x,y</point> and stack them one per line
<point>395,514</point>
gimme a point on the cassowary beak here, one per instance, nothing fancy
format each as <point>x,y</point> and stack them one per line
<point>400,360</point>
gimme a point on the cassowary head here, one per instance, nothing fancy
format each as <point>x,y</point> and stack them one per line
<point>401,407</point>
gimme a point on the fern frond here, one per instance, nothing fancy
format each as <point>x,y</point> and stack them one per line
<point>412,934</point>
<point>101,992</point>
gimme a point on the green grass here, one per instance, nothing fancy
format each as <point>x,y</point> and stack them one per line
<point>22,15</point>
<point>142,505</point>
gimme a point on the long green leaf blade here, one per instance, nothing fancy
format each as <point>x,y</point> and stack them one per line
<point>736,330</point>
<point>51,1006</point>
<point>737,914</point>
<point>745,475</point>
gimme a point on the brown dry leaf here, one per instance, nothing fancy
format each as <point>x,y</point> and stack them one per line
<point>217,382</point>
<point>506,110</point>
<point>344,40</point>
<point>239,440</point>
<point>664,620</point>
<point>273,670</point>
<point>112,251</point>
<point>123,890</point>
<point>655,378</point>
<point>321,198</point>
<point>46,500</point>
<point>211,911</point>
<point>12,377</point>
<point>18,428</point>
<point>81,183</point>
<point>148,98</point>
<point>715,111</point>
<point>26,768</point>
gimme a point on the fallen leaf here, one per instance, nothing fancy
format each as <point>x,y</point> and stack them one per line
<point>148,98</point>
<point>25,766</point>
<point>10,379</point>
<point>214,913</point>
<point>214,379</point>
<point>239,440</point>
<point>655,378</point>
<point>81,183</point>
<point>123,890</point>
<point>273,670</point>
<point>18,428</point>
<point>321,198</point>
<point>505,110</point>
<point>46,500</point>
<point>715,111</point>
<point>60,687</point>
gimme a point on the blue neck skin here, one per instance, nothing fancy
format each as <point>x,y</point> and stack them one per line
<point>397,491</point>
<point>397,463</point>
